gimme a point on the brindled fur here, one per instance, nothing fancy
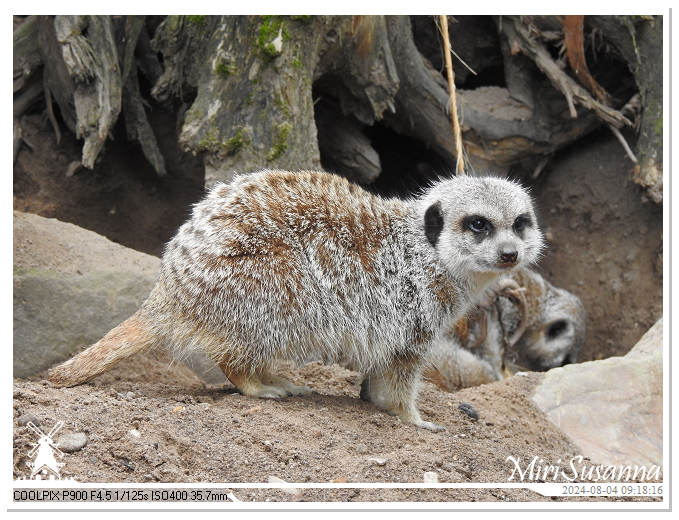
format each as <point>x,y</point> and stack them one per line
<point>293,266</point>
<point>475,351</point>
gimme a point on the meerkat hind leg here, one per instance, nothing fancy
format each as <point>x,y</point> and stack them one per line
<point>395,392</point>
<point>250,383</point>
<point>282,383</point>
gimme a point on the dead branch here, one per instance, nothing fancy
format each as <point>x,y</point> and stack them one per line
<point>520,36</point>
<point>573,32</point>
<point>93,65</point>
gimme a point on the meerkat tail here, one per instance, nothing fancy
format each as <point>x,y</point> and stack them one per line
<point>128,338</point>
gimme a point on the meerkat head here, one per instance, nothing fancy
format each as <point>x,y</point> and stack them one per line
<point>481,225</point>
<point>555,337</point>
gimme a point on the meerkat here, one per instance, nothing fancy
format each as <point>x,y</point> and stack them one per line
<point>286,266</point>
<point>526,324</point>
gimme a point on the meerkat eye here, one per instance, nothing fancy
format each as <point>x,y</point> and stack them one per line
<point>477,224</point>
<point>522,222</point>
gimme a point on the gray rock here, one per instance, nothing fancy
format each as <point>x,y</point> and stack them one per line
<point>610,409</point>
<point>71,286</point>
<point>26,418</point>
<point>469,410</point>
<point>72,442</point>
<point>57,314</point>
<point>430,477</point>
<point>276,480</point>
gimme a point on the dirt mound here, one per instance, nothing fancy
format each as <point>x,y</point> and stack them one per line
<point>150,421</point>
<point>328,435</point>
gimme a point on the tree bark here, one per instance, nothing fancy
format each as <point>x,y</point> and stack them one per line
<point>252,92</point>
<point>639,40</point>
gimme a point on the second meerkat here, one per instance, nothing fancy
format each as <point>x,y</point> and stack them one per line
<point>289,266</point>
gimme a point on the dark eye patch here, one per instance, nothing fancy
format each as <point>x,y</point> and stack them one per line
<point>433,223</point>
<point>556,329</point>
<point>477,224</point>
<point>522,222</point>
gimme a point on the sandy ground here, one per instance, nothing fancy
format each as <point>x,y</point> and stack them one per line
<point>149,421</point>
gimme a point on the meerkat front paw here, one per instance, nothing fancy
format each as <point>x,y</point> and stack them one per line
<point>430,426</point>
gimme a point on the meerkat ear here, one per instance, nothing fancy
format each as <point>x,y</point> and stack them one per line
<point>433,223</point>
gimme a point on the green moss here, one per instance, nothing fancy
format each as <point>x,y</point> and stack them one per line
<point>282,105</point>
<point>657,127</point>
<point>198,23</point>
<point>213,144</point>
<point>211,141</point>
<point>199,20</point>
<point>280,144</point>
<point>296,62</point>
<point>306,18</point>
<point>268,32</point>
<point>225,68</point>
<point>237,142</point>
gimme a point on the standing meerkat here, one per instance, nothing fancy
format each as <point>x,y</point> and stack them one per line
<point>289,266</point>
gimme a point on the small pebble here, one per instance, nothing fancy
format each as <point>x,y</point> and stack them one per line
<point>127,464</point>
<point>130,395</point>
<point>253,410</point>
<point>469,410</point>
<point>378,461</point>
<point>275,480</point>
<point>72,442</point>
<point>431,477</point>
<point>28,417</point>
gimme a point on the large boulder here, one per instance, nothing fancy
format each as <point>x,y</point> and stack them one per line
<point>611,409</point>
<point>71,286</point>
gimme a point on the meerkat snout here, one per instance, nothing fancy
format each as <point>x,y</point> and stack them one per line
<point>508,255</point>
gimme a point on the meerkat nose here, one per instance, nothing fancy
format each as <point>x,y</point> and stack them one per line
<point>508,255</point>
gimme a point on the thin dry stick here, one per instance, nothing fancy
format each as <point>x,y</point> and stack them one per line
<point>624,144</point>
<point>459,164</point>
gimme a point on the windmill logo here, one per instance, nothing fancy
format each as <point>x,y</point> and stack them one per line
<point>44,453</point>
